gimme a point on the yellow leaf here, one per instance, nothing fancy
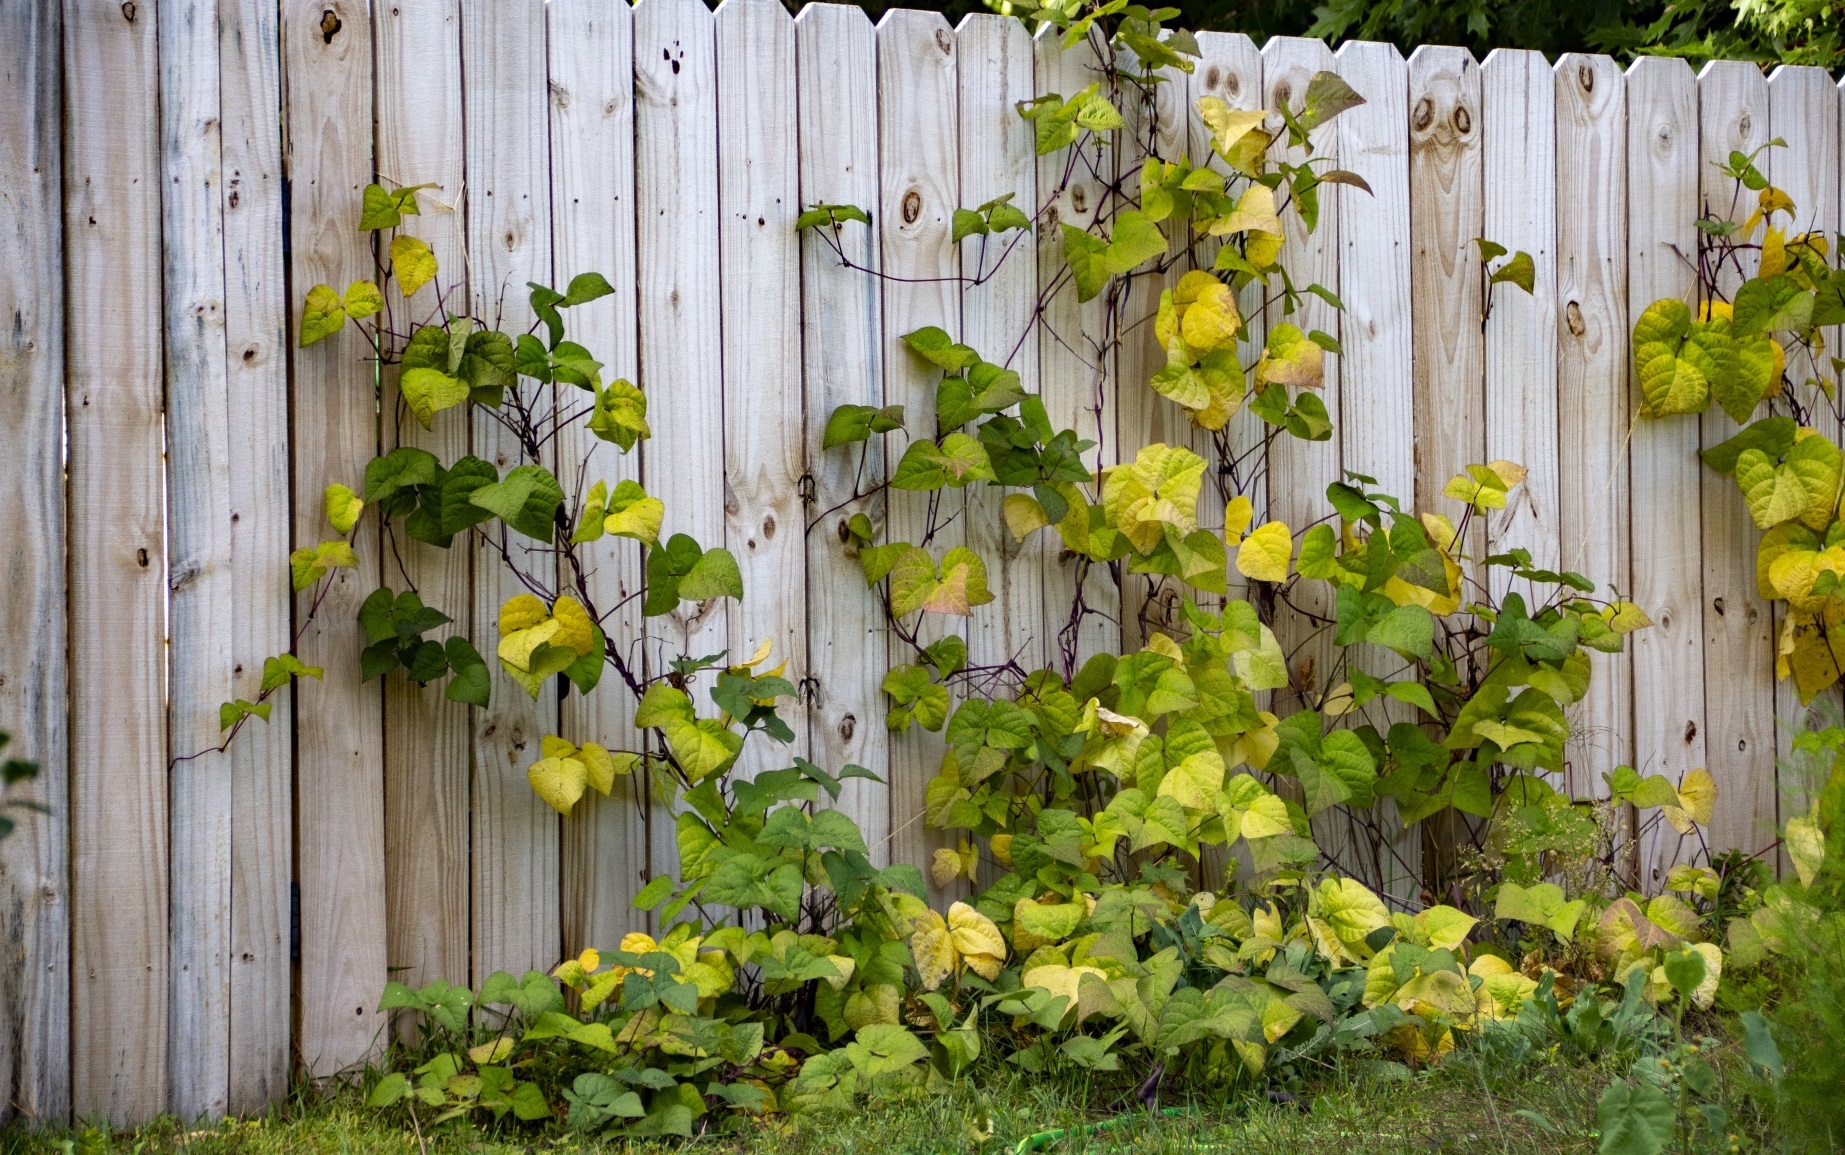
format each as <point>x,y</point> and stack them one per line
<point>1774,254</point>
<point>574,626</point>
<point>1024,516</point>
<point>491,1052</point>
<point>1238,513</point>
<point>1001,846</point>
<point>559,781</point>
<point>1697,800</point>
<point>977,939</point>
<point>759,657</point>
<point>1254,212</point>
<point>600,765</point>
<point>945,866</point>
<point>1228,125</point>
<point>1626,617</point>
<point>1340,701</point>
<point>516,648</point>
<point>412,263</point>
<point>932,946</point>
<point>521,612</point>
<point>1806,847</point>
<point>1265,554</point>
<point>343,508</point>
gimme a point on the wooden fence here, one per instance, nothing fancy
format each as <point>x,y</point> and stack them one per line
<point>183,935</point>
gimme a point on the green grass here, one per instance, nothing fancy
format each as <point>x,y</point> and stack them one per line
<point>1546,1108</point>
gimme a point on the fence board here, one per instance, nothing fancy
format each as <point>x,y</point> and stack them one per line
<point>1519,172</point>
<point>764,461</point>
<point>1158,124</point>
<point>256,337</point>
<point>200,610</point>
<point>34,861</point>
<point>1447,190</point>
<point>605,848</point>
<point>675,85</point>
<point>842,339</point>
<point>1230,68</point>
<point>1803,111</point>
<point>508,178</point>
<point>1299,471</point>
<point>117,566</point>
<point>1667,539</point>
<point>919,187</point>
<point>1377,385</point>
<point>1593,419</point>
<point>999,157</point>
<point>428,738</point>
<point>1078,380</point>
<point>1738,637</point>
<point>339,721</point>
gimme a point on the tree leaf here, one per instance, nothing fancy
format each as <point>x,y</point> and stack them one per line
<point>1265,554</point>
<point>526,499</point>
<point>412,263</point>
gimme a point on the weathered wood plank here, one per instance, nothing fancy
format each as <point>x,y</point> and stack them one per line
<point>1803,110</point>
<point>1377,389</point>
<point>508,179</point>
<point>427,737</point>
<point>1230,68</point>
<point>1738,626</point>
<point>200,608</point>
<point>1447,194</point>
<point>1078,378</point>
<point>676,191</point>
<point>606,858</point>
<point>1158,125</point>
<point>339,721</point>
<point>1666,536</point>
<point>1299,471</point>
<point>1519,170</point>
<point>842,340</point>
<point>999,158</point>
<point>256,337</point>
<point>919,189</point>
<point>113,331</point>
<point>764,459</point>
<point>1593,418</point>
<point>35,1026</point>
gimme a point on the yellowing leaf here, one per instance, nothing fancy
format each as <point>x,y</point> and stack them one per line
<point>343,508</point>
<point>1195,780</point>
<point>1024,515</point>
<point>575,629</point>
<point>1265,554</point>
<point>412,263</point>
<point>932,946</point>
<point>428,392</point>
<point>559,781</point>
<point>1255,211</point>
<point>516,648</point>
<point>1697,800</point>
<point>521,612</point>
<point>1806,847</point>
<point>977,940</point>
<point>1291,358</point>
<point>1228,125</point>
<point>1238,513</point>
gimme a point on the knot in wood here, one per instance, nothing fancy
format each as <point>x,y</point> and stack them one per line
<point>1423,115</point>
<point>1572,317</point>
<point>1463,120</point>
<point>912,206</point>
<point>330,25</point>
<point>129,11</point>
<point>945,40</point>
<point>1585,77</point>
<point>847,725</point>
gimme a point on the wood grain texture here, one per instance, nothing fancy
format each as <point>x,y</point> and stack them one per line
<point>1078,379</point>
<point>200,609</point>
<point>1447,188</point>
<point>35,1027</point>
<point>676,196</point>
<point>764,460</point>
<point>1230,68</point>
<point>1738,626</point>
<point>1518,168</point>
<point>256,337</point>
<point>1158,125</point>
<point>118,796</point>
<point>605,850</point>
<point>1299,471</point>
<point>1593,418</point>
<point>1666,534</point>
<point>919,171</point>
<point>999,158</point>
<point>508,178</point>
<point>1803,110</point>
<point>843,345</point>
<point>428,738</point>
<point>1377,386</point>
<point>339,720</point>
